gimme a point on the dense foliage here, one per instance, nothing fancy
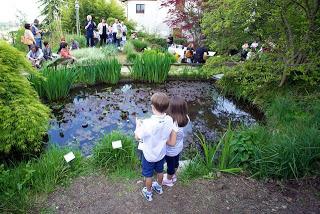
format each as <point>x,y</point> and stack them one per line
<point>287,27</point>
<point>97,8</point>
<point>24,119</point>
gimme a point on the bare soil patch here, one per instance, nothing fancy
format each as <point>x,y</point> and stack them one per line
<point>227,194</point>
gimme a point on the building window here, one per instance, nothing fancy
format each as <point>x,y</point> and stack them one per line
<point>139,8</point>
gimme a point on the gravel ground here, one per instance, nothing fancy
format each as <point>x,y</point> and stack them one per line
<point>227,194</point>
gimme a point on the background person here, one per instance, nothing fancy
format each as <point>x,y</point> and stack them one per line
<point>115,27</point>
<point>37,33</point>
<point>74,45</point>
<point>28,38</point>
<point>35,56</point>
<point>65,53</point>
<point>170,40</point>
<point>89,27</point>
<point>124,33</point>
<point>47,53</point>
<point>201,54</point>
<point>103,29</point>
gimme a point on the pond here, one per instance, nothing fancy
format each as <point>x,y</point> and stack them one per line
<point>89,113</point>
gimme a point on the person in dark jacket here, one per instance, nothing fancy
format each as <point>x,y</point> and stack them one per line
<point>199,55</point>
<point>90,26</point>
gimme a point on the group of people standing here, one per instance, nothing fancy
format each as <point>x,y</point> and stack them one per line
<point>114,33</point>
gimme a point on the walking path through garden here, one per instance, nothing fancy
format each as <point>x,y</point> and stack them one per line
<point>227,194</point>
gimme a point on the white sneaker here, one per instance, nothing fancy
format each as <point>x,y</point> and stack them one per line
<point>167,182</point>
<point>174,178</point>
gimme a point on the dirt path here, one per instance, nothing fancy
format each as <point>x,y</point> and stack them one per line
<point>228,194</point>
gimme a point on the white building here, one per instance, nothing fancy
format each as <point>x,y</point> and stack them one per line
<point>149,16</point>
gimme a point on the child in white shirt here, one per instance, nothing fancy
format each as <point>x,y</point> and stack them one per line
<point>154,133</point>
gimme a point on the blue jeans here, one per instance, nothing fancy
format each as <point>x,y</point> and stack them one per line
<point>172,164</point>
<point>39,42</point>
<point>149,167</point>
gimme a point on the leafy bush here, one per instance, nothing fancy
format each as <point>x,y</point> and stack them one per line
<point>139,45</point>
<point>19,185</point>
<point>152,67</point>
<point>113,159</point>
<point>56,84</point>
<point>252,77</point>
<point>24,119</point>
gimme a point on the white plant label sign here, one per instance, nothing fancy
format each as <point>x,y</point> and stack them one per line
<point>116,144</point>
<point>69,157</point>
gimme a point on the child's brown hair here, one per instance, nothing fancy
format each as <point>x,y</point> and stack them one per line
<point>178,110</point>
<point>160,101</point>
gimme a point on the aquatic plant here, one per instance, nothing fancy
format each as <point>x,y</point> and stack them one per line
<point>106,71</point>
<point>113,159</point>
<point>152,67</point>
<point>56,84</point>
<point>23,118</point>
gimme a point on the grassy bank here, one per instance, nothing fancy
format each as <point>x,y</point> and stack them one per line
<point>288,145</point>
<point>27,183</point>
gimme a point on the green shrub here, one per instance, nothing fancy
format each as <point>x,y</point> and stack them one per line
<point>56,84</point>
<point>19,185</point>
<point>84,55</point>
<point>139,45</point>
<point>153,40</point>
<point>24,119</point>
<point>152,67</point>
<point>114,159</point>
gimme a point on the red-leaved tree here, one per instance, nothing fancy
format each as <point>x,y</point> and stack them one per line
<point>185,15</point>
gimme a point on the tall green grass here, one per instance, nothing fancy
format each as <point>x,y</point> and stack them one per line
<point>113,160</point>
<point>20,184</point>
<point>56,84</point>
<point>152,66</point>
<point>106,71</point>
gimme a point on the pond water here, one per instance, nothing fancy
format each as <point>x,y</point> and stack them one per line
<point>89,113</point>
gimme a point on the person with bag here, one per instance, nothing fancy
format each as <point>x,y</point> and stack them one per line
<point>28,38</point>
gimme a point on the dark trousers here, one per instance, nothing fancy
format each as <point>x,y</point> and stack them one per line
<point>90,41</point>
<point>172,164</point>
<point>103,39</point>
<point>115,40</point>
